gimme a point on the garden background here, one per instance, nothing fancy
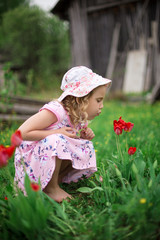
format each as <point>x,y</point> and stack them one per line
<point>121,200</point>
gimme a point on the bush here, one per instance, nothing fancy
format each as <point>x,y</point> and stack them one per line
<point>34,41</point>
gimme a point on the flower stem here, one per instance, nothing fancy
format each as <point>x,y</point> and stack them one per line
<point>126,143</point>
<point>118,147</point>
<point>117,144</point>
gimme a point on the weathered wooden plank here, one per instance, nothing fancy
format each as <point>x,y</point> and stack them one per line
<point>113,52</point>
<point>100,35</point>
<point>109,5</point>
<point>155,95</point>
<point>11,117</point>
<point>19,108</point>
<point>23,100</point>
<point>79,37</point>
<point>149,69</point>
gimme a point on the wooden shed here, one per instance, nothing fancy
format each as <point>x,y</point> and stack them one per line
<point>103,32</point>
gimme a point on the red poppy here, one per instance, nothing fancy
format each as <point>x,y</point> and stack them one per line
<point>5,198</point>
<point>131,150</point>
<point>35,187</point>
<point>16,138</point>
<point>5,154</point>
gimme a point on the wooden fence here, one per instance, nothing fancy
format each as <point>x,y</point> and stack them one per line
<point>18,108</point>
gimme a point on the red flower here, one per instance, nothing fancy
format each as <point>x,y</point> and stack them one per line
<point>5,198</point>
<point>120,125</point>
<point>16,138</point>
<point>35,187</point>
<point>131,150</point>
<point>128,126</point>
<point>121,122</point>
<point>10,151</point>
<point>5,154</point>
<point>117,128</point>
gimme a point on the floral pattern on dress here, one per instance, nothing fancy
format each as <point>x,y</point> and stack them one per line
<point>40,156</point>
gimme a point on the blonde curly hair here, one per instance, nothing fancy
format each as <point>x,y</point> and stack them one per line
<point>76,108</point>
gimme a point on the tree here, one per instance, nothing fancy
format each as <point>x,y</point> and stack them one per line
<point>23,36</point>
<point>32,40</point>
<point>6,5</point>
<point>56,46</point>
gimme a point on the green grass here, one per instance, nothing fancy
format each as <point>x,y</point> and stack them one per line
<point>125,205</point>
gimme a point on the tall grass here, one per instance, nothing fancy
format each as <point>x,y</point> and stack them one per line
<point>120,201</point>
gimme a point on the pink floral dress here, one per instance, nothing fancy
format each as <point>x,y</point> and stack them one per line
<point>40,156</point>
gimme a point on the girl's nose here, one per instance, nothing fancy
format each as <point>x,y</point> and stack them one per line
<point>101,106</point>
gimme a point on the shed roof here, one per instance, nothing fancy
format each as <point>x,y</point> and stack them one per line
<point>61,8</point>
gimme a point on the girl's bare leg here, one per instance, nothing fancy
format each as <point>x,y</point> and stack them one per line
<point>66,167</point>
<point>53,189</point>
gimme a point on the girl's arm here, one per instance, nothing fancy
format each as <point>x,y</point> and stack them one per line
<point>33,129</point>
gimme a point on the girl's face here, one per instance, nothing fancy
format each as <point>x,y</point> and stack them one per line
<point>96,102</point>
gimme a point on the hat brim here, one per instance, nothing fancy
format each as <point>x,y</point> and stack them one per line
<point>67,93</point>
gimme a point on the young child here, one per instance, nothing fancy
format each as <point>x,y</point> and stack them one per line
<point>57,143</point>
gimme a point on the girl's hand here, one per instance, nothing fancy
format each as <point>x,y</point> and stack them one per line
<point>87,133</point>
<point>68,131</point>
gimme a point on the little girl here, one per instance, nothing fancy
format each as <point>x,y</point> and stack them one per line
<point>57,143</point>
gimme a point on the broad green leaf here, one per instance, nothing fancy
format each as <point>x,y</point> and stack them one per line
<point>89,190</point>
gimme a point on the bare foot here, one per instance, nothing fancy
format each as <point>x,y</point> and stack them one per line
<point>58,194</point>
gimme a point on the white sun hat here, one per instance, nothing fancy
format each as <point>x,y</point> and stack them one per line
<point>79,81</point>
